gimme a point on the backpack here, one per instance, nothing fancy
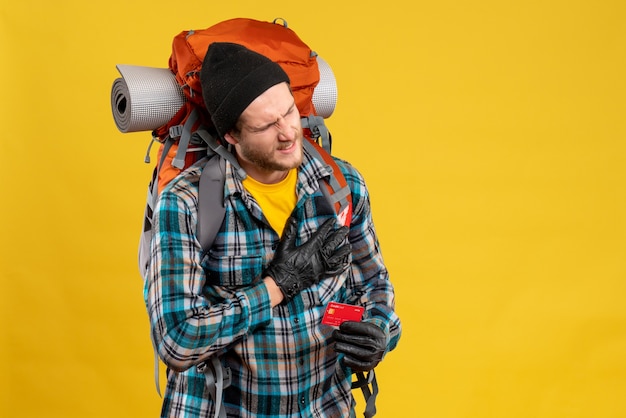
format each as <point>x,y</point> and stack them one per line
<point>188,135</point>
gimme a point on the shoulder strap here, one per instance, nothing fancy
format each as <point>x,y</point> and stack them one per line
<point>364,382</point>
<point>211,209</point>
<point>336,188</point>
<point>217,379</point>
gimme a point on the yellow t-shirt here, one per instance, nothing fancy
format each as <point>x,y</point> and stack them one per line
<point>277,200</point>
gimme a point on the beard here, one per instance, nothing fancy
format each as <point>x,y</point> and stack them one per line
<point>266,161</point>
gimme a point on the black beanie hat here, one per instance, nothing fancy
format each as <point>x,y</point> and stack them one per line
<point>232,76</point>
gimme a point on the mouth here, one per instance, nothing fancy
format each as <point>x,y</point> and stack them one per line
<point>287,147</point>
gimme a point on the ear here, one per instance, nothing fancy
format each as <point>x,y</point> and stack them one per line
<point>230,138</point>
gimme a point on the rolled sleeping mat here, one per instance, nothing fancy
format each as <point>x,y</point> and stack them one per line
<point>325,93</point>
<point>145,98</point>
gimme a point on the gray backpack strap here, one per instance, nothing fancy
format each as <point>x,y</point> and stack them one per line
<point>339,196</point>
<point>211,209</point>
<point>184,132</point>
<point>218,149</point>
<point>217,379</point>
<point>211,212</point>
<point>319,131</point>
<point>364,382</point>
<point>156,368</point>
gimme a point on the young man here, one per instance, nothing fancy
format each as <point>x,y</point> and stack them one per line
<point>257,297</point>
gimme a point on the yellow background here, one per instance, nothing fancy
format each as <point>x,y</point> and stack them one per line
<point>492,134</point>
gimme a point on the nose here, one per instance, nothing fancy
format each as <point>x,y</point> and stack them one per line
<point>285,132</point>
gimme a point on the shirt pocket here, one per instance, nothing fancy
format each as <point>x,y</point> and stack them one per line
<point>232,270</point>
<point>329,290</point>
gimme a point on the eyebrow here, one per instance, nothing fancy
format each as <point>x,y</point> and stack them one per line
<point>267,126</point>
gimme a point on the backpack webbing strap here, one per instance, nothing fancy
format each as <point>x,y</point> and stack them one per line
<point>217,379</point>
<point>218,149</point>
<point>363,382</point>
<point>337,190</point>
<point>184,132</point>
<point>318,130</point>
<point>156,368</point>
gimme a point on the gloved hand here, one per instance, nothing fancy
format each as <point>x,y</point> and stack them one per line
<point>362,343</point>
<point>296,268</point>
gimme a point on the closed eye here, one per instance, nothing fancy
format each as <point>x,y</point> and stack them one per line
<point>264,128</point>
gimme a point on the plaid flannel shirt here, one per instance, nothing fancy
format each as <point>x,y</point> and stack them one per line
<point>203,304</point>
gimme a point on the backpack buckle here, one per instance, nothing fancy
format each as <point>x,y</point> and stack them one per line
<point>176,131</point>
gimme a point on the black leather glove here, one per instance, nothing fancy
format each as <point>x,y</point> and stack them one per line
<point>296,268</point>
<point>362,343</point>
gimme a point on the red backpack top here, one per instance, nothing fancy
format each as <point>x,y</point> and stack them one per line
<point>275,41</point>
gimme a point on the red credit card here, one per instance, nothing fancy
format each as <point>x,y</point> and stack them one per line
<point>336,313</point>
